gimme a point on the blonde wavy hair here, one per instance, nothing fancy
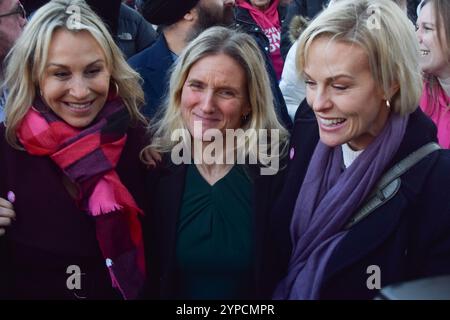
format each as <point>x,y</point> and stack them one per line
<point>27,60</point>
<point>383,30</point>
<point>242,49</point>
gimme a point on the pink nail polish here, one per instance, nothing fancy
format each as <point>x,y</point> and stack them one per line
<point>11,197</point>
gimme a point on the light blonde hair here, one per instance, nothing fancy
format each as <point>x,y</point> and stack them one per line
<point>27,61</point>
<point>242,49</point>
<point>383,30</point>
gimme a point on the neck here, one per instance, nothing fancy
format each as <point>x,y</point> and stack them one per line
<point>213,172</point>
<point>445,84</point>
<point>211,169</point>
<point>176,37</point>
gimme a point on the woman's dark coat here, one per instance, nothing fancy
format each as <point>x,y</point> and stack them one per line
<point>166,186</point>
<point>408,237</point>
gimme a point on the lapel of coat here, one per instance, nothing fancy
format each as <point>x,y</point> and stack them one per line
<point>170,189</point>
<point>260,205</point>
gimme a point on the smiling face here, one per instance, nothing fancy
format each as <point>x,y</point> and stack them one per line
<point>349,106</point>
<point>76,80</point>
<point>214,94</point>
<point>433,59</point>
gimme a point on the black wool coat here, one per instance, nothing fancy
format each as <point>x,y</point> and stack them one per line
<point>408,237</point>
<point>166,188</point>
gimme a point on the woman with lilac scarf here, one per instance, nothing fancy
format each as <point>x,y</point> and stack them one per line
<point>360,118</point>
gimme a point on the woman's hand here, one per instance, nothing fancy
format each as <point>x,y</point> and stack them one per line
<point>151,157</point>
<point>7,214</point>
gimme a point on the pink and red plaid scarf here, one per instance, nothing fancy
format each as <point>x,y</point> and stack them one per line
<point>88,157</point>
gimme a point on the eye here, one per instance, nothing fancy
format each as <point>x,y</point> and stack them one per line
<point>93,72</point>
<point>196,86</point>
<point>225,93</point>
<point>310,83</point>
<point>61,74</point>
<point>340,87</point>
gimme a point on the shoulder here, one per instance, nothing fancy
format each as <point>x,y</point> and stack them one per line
<point>127,13</point>
<point>146,57</point>
<point>137,136</point>
<point>141,59</point>
<point>439,175</point>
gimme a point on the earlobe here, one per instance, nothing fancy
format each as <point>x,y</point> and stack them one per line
<point>392,92</point>
<point>190,15</point>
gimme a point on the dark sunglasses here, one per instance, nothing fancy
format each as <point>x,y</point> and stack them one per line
<point>18,10</point>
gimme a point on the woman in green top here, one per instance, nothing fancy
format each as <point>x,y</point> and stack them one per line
<point>221,144</point>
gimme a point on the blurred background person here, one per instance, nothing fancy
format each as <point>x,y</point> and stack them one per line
<point>264,15</point>
<point>12,22</point>
<point>433,33</point>
<point>305,8</point>
<point>131,32</point>
<point>262,20</point>
<point>179,23</point>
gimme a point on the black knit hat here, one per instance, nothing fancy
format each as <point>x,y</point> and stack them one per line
<point>166,12</point>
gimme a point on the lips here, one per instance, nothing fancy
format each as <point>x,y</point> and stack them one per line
<point>206,119</point>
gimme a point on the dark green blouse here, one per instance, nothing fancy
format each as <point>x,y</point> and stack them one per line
<point>215,237</point>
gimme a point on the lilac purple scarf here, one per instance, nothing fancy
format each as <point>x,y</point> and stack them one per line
<point>327,200</point>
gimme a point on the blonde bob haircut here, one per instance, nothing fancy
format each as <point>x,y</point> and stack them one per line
<point>383,30</point>
<point>242,49</point>
<point>27,60</point>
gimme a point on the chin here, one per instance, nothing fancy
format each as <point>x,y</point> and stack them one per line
<point>331,142</point>
<point>79,123</point>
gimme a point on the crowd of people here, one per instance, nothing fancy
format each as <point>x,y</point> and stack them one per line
<point>222,149</point>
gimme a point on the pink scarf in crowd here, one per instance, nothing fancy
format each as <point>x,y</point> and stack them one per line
<point>269,21</point>
<point>88,157</point>
<point>435,105</point>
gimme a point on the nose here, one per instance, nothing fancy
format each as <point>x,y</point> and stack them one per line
<point>207,102</point>
<point>321,101</point>
<point>419,34</point>
<point>79,89</point>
